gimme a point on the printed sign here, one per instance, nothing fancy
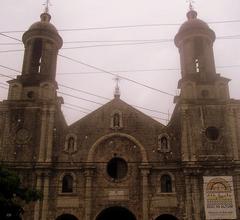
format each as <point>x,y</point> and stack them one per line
<point>219,197</point>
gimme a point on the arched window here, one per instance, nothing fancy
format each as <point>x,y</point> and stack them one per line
<point>163,143</point>
<point>166,183</point>
<point>116,120</point>
<point>66,217</point>
<point>37,55</point>
<point>67,184</point>
<point>70,144</point>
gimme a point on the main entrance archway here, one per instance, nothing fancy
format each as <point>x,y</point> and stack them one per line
<point>166,217</point>
<point>66,217</point>
<point>116,213</point>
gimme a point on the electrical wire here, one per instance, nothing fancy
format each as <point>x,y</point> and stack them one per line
<point>123,26</point>
<point>105,45</point>
<point>115,74</point>
<point>84,99</point>
<point>99,69</point>
<point>227,37</point>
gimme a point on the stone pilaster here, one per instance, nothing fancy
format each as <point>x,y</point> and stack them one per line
<point>188,203</point>
<point>43,135</point>
<point>196,197</point>
<point>46,181</point>
<point>145,201</point>
<point>37,203</point>
<point>184,139</point>
<point>50,135</point>
<point>232,133</point>
<point>88,193</point>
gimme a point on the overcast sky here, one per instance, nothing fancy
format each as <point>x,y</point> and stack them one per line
<point>137,53</point>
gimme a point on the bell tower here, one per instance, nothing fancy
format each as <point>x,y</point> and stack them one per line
<point>199,78</point>
<point>195,42</point>
<point>204,104</point>
<point>42,43</point>
<point>37,81</point>
<point>33,107</point>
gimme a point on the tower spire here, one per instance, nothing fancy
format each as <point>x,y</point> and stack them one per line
<point>117,89</point>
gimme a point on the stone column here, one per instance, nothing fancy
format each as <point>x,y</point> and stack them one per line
<point>43,135</point>
<point>50,135</point>
<point>37,203</point>
<point>184,139</point>
<point>188,201</point>
<point>45,196</point>
<point>196,196</point>
<point>88,192</point>
<point>145,170</point>
<point>232,117</point>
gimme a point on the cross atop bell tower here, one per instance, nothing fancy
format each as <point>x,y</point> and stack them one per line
<point>117,89</point>
<point>46,4</point>
<point>191,2</point>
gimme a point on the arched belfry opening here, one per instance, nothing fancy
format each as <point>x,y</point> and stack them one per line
<point>166,217</point>
<point>42,43</point>
<point>66,217</point>
<point>37,55</point>
<point>116,213</point>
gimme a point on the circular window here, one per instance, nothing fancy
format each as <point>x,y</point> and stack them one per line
<point>212,133</point>
<point>117,168</point>
<point>30,94</point>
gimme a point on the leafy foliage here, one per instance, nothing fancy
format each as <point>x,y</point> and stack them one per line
<point>13,196</point>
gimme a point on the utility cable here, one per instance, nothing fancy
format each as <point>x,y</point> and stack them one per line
<point>124,26</point>
<point>105,45</point>
<point>85,93</point>
<point>227,37</point>
<point>80,110</point>
<point>114,74</point>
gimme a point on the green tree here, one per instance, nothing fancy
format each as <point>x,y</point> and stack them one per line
<point>13,196</point>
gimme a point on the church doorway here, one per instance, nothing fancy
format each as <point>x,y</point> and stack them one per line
<point>166,217</point>
<point>116,213</point>
<point>66,217</point>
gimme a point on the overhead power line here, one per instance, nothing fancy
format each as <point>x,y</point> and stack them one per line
<point>119,44</point>
<point>79,90</point>
<point>13,38</point>
<point>114,74</point>
<point>104,71</point>
<point>124,26</point>
<point>136,106</point>
<point>227,37</point>
<point>79,108</point>
<point>138,70</point>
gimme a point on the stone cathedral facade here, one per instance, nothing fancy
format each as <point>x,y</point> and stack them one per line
<point>118,163</point>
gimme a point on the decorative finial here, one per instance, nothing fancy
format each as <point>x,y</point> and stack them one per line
<point>45,16</point>
<point>117,90</point>
<point>192,14</point>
